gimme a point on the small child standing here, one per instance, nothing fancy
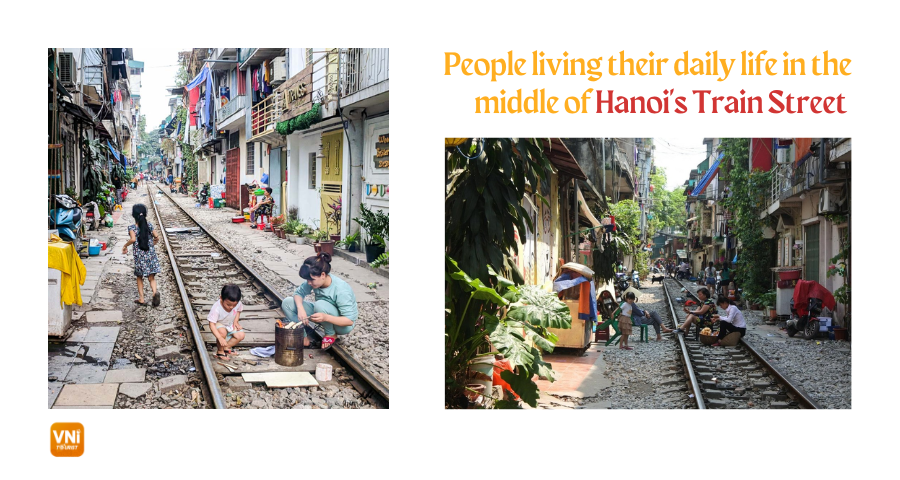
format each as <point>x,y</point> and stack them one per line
<point>627,310</point>
<point>146,263</point>
<point>223,320</point>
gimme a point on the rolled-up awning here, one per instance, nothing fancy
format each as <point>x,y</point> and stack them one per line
<point>587,211</point>
<point>708,176</point>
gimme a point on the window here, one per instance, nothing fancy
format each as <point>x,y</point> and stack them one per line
<point>308,56</point>
<point>312,170</point>
<point>251,158</point>
<point>233,141</point>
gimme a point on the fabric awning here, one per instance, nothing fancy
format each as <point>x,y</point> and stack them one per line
<point>587,211</point>
<point>691,219</point>
<point>113,151</point>
<point>708,176</point>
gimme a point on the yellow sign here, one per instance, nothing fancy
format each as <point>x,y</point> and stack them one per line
<point>382,149</point>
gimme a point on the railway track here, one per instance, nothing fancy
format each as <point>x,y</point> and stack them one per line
<point>732,377</point>
<point>202,265</point>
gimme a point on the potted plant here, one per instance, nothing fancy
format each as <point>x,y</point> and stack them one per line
<point>324,244</point>
<point>351,242</point>
<point>334,218</point>
<point>768,300</point>
<point>376,224</point>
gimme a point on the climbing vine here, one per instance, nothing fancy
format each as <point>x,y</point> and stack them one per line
<point>747,200</point>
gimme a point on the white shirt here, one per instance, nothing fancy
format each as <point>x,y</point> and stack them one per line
<point>626,309</point>
<point>733,316</point>
<point>217,314</point>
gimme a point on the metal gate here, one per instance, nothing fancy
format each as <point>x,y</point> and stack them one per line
<point>811,247</point>
<point>233,178</point>
<point>332,178</point>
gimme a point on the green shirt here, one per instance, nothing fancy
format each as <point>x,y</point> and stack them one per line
<point>726,274</point>
<point>338,294</point>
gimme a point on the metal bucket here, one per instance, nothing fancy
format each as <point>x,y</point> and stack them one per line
<point>289,346</point>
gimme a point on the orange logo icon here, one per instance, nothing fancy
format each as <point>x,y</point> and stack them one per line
<point>67,439</point>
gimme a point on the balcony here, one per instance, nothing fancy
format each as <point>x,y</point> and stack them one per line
<point>248,57</point>
<point>839,150</point>
<point>224,114</point>
<point>363,68</point>
<point>263,117</point>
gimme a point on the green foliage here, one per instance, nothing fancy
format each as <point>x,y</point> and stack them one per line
<point>381,260</point>
<point>352,239</point>
<point>375,223</point>
<point>94,175</point>
<point>534,306</point>
<point>291,226</point>
<point>487,180</point>
<point>840,266</point>
<point>512,320</point>
<point>749,194</point>
<point>667,207</point>
<point>300,122</point>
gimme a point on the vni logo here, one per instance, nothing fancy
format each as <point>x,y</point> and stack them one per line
<point>67,439</point>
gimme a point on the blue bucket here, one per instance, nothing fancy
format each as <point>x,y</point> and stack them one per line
<point>93,251</point>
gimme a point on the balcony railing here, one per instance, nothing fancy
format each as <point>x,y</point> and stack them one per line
<point>264,115</point>
<point>231,108</point>
<point>362,67</point>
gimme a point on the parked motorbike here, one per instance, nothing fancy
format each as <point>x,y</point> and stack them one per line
<point>203,196</point>
<point>621,284</point>
<point>66,218</point>
<point>635,279</point>
<point>808,301</point>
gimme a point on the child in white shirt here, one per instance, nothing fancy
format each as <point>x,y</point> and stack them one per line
<point>223,320</point>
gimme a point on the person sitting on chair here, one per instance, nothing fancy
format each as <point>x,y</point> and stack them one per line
<point>646,317</point>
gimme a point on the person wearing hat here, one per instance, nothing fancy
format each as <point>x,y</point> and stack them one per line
<point>335,308</point>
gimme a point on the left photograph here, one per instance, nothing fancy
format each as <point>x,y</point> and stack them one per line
<point>209,244</point>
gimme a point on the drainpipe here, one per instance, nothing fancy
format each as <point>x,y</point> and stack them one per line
<point>344,122</point>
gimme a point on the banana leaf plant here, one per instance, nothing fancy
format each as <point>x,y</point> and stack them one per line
<point>499,317</point>
<point>94,176</point>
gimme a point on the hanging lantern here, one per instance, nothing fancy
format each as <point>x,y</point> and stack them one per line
<point>453,142</point>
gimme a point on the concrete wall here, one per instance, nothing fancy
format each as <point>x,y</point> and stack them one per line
<point>376,188</point>
<point>305,199</point>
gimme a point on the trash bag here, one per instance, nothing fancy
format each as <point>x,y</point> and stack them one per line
<point>108,220</point>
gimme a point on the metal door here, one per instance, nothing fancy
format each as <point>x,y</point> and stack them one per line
<point>331,178</point>
<point>233,178</point>
<point>275,178</point>
<point>811,247</point>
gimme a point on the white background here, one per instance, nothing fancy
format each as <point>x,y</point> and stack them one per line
<point>417,437</point>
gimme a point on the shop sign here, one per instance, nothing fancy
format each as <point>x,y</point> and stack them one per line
<point>381,151</point>
<point>377,190</point>
<point>296,94</point>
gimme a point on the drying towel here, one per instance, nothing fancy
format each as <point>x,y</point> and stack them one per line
<point>63,257</point>
<point>587,301</point>
<point>263,351</point>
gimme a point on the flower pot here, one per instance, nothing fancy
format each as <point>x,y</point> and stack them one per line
<point>326,247</point>
<point>336,238</point>
<point>772,313</point>
<point>372,252</point>
<point>840,333</point>
<point>291,237</point>
<point>300,240</point>
<point>351,248</point>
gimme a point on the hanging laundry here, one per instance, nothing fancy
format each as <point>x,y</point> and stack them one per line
<point>193,99</point>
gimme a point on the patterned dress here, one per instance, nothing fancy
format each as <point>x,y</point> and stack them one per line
<point>705,319</point>
<point>145,262</point>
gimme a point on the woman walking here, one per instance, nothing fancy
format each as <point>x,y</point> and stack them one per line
<point>146,263</point>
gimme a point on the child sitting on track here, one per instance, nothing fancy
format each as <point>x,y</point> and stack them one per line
<point>223,320</point>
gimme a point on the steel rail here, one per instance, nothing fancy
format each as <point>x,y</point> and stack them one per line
<point>692,378</point>
<point>212,381</point>
<point>377,387</point>
<point>803,399</point>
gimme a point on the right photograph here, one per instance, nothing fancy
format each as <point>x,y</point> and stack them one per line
<point>647,273</point>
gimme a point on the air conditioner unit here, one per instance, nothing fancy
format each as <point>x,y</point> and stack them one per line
<point>782,156</point>
<point>827,202</point>
<point>67,69</point>
<point>279,71</point>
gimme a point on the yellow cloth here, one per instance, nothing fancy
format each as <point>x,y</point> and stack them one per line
<point>63,257</point>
